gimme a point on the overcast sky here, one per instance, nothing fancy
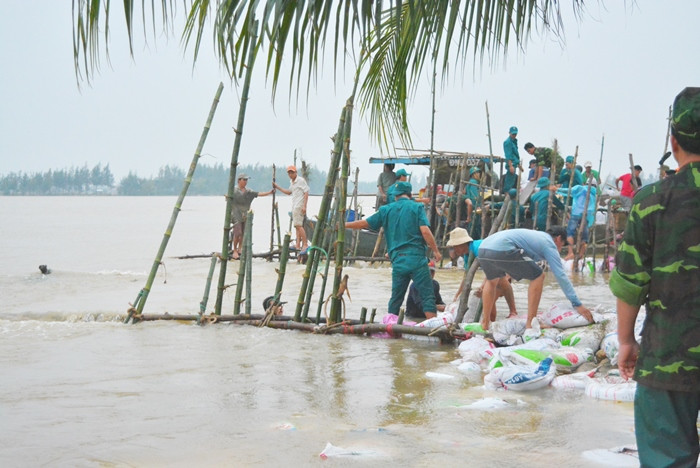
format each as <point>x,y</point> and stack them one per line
<point>616,75</point>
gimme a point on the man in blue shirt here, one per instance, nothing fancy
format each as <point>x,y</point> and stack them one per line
<point>515,252</point>
<point>510,152</point>
<point>407,232</point>
<point>565,176</point>
<point>579,193</point>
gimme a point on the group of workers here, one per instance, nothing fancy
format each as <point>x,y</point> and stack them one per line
<point>657,265</point>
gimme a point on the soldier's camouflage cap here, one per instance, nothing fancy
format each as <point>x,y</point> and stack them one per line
<point>686,114</point>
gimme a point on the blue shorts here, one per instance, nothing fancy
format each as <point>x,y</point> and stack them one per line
<point>496,263</point>
<point>574,221</point>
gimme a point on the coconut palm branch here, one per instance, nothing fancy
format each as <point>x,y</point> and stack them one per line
<point>398,38</point>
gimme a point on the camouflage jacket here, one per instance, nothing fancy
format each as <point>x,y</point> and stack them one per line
<point>658,264</point>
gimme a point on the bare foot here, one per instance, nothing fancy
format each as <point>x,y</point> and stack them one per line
<point>512,315</point>
<point>569,257</point>
<point>235,255</point>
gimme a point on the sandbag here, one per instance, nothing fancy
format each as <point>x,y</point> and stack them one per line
<point>471,350</point>
<point>587,337</point>
<point>612,388</point>
<point>523,377</point>
<point>563,315</point>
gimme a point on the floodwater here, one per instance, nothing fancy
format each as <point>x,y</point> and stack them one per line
<point>79,388</point>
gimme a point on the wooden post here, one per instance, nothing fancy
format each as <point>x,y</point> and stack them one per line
<point>633,177</point>
<point>242,262</point>
<point>284,257</point>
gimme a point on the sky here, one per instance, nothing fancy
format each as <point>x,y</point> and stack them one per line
<point>617,73</point>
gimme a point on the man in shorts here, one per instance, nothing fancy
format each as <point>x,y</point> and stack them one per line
<point>299,190</point>
<point>242,198</point>
<point>515,252</point>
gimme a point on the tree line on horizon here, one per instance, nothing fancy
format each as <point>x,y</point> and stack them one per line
<point>207,180</point>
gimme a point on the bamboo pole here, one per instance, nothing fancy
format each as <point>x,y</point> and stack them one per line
<point>142,296</point>
<point>284,257</point>
<point>248,239</point>
<point>242,262</point>
<point>493,182</point>
<point>580,229</point>
<point>207,287</point>
<point>337,298</point>
<point>272,213</point>
<point>277,222</point>
<point>327,242</point>
<point>633,178</point>
<point>234,164</point>
<point>330,184</point>
<point>432,179</point>
<point>553,175</point>
<point>600,161</point>
<point>571,181</point>
<point>356,233</point>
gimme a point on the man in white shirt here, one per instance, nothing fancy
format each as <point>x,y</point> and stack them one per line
<point>299,190</point>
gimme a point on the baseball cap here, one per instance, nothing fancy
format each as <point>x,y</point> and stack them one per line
<point>402,187</point>
<point>402,172</point>
<point>513,130</point>
<point>291,168</point>
<point>243,176</point>
<point>588,164</point>
<point>458,236</point>
<point>473,170</point>
<point>685,120</point>
<point>543,182</point>
<point>569,159</point>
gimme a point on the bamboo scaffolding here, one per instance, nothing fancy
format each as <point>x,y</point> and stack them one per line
<point>327,243</point>
<point>305,292</point>
<point>492,173</point>
<point>432,180</point>
<point>633,178</point>
<point>238,130</point>
<point>142,296</point>
<point>356,233</point>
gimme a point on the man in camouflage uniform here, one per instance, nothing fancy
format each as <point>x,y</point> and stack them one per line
<point>658,265</point>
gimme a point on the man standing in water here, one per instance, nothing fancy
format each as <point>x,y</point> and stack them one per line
<point>658,265</point>
<point>299,190</point>
<point>510,152</point>
<point>242,198</point>
<point>407,233</point>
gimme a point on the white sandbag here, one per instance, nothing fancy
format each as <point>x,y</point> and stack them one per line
<point>563,315</point>
<point>551,333</point>
<point>472,349</point>
<point>494,354</point>
<point>439,376</point>
<point>577,381</point>
<point>508,332</point>
<point>471,370</point>
<point>587,337</point>
<point>439,321</point>
<point>567,358</point>
<point>611,388</point>
<point>610,346</point>
<point>522,378</point>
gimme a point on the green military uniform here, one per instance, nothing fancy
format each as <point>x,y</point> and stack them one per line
<point>658,264</point>
<point>539,203</point>
<point>401,221</point>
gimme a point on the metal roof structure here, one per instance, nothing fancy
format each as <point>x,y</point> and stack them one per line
<point>422,157</point>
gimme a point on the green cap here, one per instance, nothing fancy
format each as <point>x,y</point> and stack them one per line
<point>473,170</point>
<point>686,114</point>
<point>570,159</point>
<point>401,188</point>
<point>543,182</point>
<point>402,172</point>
